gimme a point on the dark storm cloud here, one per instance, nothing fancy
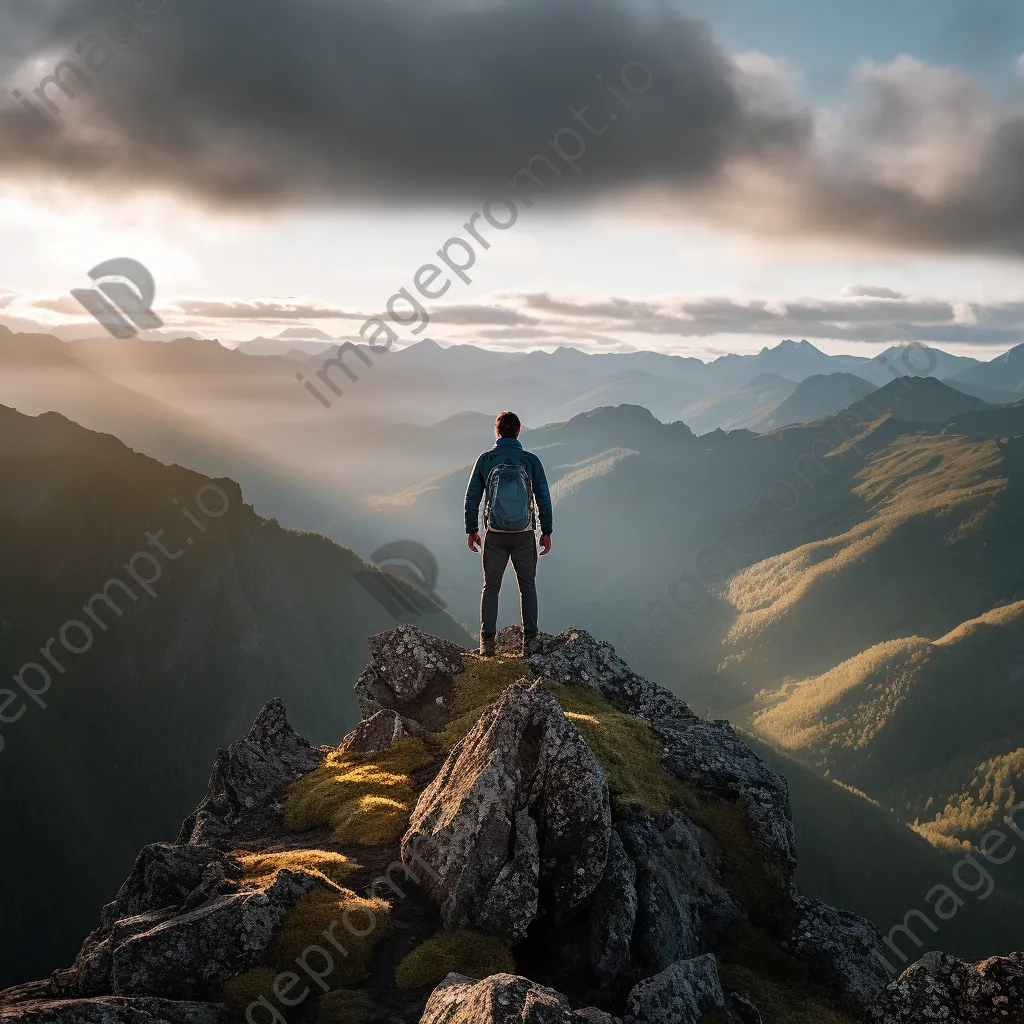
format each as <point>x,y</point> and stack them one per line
<point>266,102</point>
<point>263,103</point>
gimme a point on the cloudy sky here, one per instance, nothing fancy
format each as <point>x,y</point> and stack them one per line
<point>717,175</point>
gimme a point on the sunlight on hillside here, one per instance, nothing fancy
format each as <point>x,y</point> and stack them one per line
<point>849,705</point>
<point>916,476</point>
<point>578,473</point>
<point>997,786</point>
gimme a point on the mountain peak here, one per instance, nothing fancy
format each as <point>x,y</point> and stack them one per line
<point>600,785</point>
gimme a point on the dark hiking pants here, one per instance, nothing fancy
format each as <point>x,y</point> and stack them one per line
<point>498,549</point>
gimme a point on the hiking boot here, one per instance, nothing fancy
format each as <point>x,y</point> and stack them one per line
<point>487,646</point>
<point>531,645</point>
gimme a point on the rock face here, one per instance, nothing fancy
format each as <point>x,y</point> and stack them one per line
<point>616,910</point>
<point>374,735</point>
<point>837,945</point>
<point>517,823</point>
<point>940,987</point>
<point>576,658</point>
<point>682,902</point>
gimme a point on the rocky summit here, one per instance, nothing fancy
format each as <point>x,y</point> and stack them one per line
<point>540,840</point>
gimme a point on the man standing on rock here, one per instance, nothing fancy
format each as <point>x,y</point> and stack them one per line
<point>512,481</point>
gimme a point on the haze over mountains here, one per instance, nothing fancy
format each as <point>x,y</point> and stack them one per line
<point>777,547</point>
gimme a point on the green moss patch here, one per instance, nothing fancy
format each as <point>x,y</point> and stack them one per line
<point>355,922</point>
<point>626,747</point>
<point>463,952</point>
<point>348,1007</point>
<point>241,992</point>
<point>779,1003</point>
<point>482,681</point>
<point>362,800</point>
<point>779,984</point>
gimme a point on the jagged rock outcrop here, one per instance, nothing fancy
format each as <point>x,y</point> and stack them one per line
<point>248,773</point>
<point>576,658</point>
<point>940,987</point>
<point>185,921</point>
<point>708,755</point>
<point>711,757</point>
<point>517,822</point>
<point>615,910</point>
<point>166,879</point>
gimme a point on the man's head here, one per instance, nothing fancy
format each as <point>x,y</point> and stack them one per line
<point>507,425</point>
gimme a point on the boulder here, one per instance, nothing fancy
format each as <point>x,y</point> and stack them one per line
<point>841,949</point>
<point>517,823</point>
<point>939,987</point>
<point>499,999</point>
<point>590,1015</point>
<point>248,773</point>
<point>404,663</point>
<point>188,956</point>
<point>681,994</point>
<point>182,923</point>
<point>166,878</point>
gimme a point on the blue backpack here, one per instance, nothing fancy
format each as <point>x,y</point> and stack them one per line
<point>509,506</point>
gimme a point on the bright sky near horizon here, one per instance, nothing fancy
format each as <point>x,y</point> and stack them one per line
<point>854,177</point>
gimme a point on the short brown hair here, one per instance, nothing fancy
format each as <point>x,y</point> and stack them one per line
<point>508,425</point>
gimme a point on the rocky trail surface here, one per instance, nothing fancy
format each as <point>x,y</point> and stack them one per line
<point>549,840</point>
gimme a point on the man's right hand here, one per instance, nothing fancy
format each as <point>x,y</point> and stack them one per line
<point>474,541</point>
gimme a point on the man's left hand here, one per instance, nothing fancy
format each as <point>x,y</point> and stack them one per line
<point>545,543</point>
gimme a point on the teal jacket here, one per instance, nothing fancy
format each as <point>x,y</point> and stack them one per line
<point>507,448</point>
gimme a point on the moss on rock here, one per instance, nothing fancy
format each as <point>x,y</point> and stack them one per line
<point>364,800</point>
<point>240,992</point>
<point>260,867</point>
<point>354,922</point>
<point>463,952</point>
<point>346,1006</point>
